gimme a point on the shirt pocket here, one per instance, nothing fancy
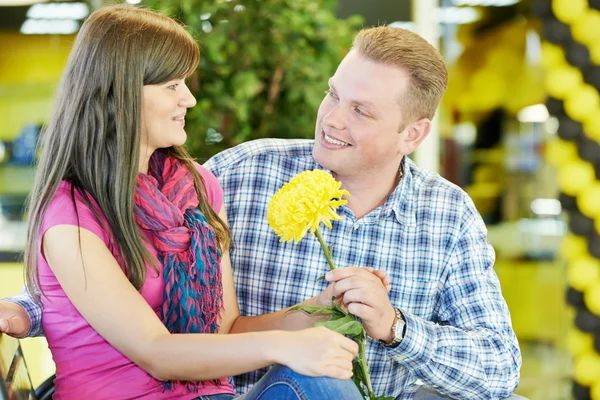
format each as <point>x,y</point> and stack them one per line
<point>418,297</point>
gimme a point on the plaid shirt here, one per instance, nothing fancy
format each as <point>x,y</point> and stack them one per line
<point>429,238</point>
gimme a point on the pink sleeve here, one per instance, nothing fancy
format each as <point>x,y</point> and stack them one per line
<point>214,192</point>
<point>62,211</point>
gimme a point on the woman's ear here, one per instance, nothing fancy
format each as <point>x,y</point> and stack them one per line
<point>414,134</point>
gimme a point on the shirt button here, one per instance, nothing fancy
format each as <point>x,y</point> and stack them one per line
<point>356,225</point>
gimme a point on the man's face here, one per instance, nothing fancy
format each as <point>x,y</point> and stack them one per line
<point>358,123</point>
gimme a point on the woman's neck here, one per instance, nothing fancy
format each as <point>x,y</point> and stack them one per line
<point>145,155</point>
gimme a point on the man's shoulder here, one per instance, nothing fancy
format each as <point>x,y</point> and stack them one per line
<point>430,188</point>
<point>424,179</point>
<point>255,149</point>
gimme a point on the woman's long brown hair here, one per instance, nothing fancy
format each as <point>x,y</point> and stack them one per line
<point>93,137</point>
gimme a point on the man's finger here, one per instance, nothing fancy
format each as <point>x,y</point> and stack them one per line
<point>387,282</point>
<point>356,296</point>
<point>359,282</point>
<point>360,310</point>
<point>13,327</point>
<point>345,272</point>
<point>340,274</point>
<point>381,273</point>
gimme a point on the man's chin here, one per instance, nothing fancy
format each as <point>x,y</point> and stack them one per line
<point>317,152</point>
<point>321,158</point>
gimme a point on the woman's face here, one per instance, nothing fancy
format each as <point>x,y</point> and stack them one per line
<point>163,115</point>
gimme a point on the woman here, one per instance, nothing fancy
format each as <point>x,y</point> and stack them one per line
<point>127,238</point>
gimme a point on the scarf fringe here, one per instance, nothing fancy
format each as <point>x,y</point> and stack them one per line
<point>166,204</point>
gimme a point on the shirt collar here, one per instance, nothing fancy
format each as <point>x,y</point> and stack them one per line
<point>400,200</point>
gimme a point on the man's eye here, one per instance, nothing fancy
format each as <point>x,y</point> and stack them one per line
<point>173,86</point>
<point>358,111</point>
<point>331,94</point>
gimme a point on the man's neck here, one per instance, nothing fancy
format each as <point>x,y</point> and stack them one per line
<point>368,193</point>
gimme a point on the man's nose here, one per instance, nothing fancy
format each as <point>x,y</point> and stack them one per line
<point>335,118</point>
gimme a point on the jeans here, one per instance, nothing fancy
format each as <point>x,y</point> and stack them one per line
<point>281,383</point>
<point>425,393</point>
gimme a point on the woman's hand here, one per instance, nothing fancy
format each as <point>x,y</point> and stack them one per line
<point>317,352</point>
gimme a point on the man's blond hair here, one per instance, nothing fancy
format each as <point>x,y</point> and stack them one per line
<point>409,51</point>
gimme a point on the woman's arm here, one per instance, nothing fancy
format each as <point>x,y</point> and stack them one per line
<point>232,322</point>
<point>98,288</point>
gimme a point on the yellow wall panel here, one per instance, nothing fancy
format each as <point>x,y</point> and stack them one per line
<point>30,69</point>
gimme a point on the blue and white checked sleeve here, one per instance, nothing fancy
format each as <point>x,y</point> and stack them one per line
<point>34,311</point>
<point>472,353</point>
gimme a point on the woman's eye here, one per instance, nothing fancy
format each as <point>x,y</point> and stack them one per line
<point>173,86</point>
<point>358,111</point>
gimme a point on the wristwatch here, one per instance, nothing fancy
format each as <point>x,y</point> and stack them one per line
<point>398,328</point>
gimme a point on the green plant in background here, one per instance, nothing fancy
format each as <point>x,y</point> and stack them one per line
<point>264,66</point>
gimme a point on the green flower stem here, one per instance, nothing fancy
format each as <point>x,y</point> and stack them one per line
<point>362,359</point>
<point>325,249</point>
<point>361,340</point>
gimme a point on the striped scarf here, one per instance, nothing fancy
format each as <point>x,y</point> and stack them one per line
<point>166,204</point>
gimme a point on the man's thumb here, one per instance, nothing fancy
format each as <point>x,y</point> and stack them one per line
<point>4,326</point>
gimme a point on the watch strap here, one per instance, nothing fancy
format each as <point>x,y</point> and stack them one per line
<point>398,330</point>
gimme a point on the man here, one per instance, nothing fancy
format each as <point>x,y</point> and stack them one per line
<point>444,324</point>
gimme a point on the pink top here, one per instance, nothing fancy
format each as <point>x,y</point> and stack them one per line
<point>87,366</point>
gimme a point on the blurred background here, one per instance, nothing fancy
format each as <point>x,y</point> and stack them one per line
<point>519,130</point>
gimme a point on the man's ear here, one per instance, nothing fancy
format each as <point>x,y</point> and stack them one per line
<point>415,133</point>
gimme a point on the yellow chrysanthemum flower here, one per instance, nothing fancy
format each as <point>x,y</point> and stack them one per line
<point>308,199</point>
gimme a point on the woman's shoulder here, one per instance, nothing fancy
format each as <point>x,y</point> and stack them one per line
<point>69,207</point>
<point>69,200</point>
<point>213,190</point>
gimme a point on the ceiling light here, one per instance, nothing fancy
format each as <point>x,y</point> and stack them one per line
<point>58,11</point>
<point>13,3</point>
<point>457,15</point>
<point>534,113</point>
<point>49,26</point>
<point>546,207</point>
<point>492,3</point>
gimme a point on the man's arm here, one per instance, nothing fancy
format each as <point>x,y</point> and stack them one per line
<point>469,350</point>
<point>21,316</point>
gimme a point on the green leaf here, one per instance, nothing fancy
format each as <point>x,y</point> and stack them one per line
<point>337,308</point>
<point>337,311</point>
<point>347,325</point>
<point>311,309</point>
<point>384,397</point>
